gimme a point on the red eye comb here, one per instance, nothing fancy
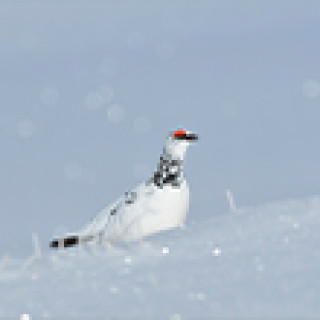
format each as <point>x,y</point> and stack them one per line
<point>179,133</point>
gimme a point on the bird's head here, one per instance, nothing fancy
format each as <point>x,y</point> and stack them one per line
<point>178,141</point>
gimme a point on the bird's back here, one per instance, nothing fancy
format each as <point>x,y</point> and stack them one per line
<point>145,210</point>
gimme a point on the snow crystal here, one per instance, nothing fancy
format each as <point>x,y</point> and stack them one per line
<point>216,252</point>
<point>296,225</point>
<point>25,128</point>
<point>200,296</point>
<point>93,101</point>
<point>116,113</point>
<point>25,316</point>
<point>260,267</point>
<point>165,50</point>
<point>124,271</point>
<point>106,92</point>
<point>137,291</point>
<point>73,171</point>
<point>34,276</point>
<point>128,260</point>
<point>136,40</point>
<point>109,67</point>
<point>165,250</point>
<point>311,89</point>
<point>114,290</point>
<point>142,125</point>
<point>49,96</point>
<point>197,296</point>
<point>27,41</point>
<point>175,316</point>
<point>229,109</point>
<point>96,99</point>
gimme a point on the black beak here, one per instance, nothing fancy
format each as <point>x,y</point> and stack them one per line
<point>192,137</point>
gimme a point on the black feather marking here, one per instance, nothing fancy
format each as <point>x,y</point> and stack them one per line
<point>113,211</point>
<point>65,242</point>
<point>169,172</point>
<point>130,197</point>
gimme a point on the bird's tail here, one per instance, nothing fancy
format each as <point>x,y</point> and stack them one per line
<point>70,241</point>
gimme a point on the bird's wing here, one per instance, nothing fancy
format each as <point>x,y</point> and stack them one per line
<point>92,230</point>
<point>132,206</point>
<point>112,222</point>
<point>98,223</point>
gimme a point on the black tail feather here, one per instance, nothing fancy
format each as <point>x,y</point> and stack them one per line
<point>65,242</point>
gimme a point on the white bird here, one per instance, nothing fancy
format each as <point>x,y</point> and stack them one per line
<point>158,204</point>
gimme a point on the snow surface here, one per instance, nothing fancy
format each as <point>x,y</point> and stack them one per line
<point>258,261</point>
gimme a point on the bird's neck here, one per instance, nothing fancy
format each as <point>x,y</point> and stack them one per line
<point>169,171</point>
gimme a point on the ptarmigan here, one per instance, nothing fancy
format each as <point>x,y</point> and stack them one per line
<point>158,204</point>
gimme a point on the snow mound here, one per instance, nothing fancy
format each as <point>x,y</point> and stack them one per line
<point>255,262</point>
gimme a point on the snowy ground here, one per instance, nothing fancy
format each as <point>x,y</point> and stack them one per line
<point>258,261</point>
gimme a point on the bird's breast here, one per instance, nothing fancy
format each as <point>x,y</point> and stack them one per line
<point>165,209</point>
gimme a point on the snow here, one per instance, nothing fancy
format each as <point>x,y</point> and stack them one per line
<point>88,92</point>
<point>256,262</point>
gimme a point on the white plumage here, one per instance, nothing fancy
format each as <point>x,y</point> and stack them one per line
<point>158,204</point>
